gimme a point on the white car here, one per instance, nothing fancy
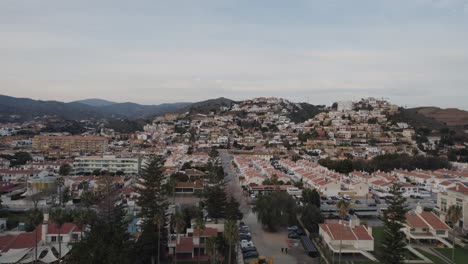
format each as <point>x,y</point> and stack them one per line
<point>245,243</point>
<point>253,196</point>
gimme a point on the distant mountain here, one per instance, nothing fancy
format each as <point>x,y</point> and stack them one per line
<point>26,109</point>
<point>95,102</point>
<point>134,111</point>
<point>12,108</point>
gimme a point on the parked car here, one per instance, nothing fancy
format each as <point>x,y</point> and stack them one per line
<point>248,249</point>
<point>293,228</point>
<point>250,254</point>
<point>357,202</point>
<point>299,232</point>
<point>293,235</point>
<point>372,205</point>
<point>331,202</point>
<point>245,237</point>
<point>245,243</point>
<point>377,201</point>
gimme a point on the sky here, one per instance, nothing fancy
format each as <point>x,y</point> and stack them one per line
<point>413,52</point>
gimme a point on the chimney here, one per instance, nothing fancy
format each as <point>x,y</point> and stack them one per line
<point>419,208</point>
<point>44,226</point>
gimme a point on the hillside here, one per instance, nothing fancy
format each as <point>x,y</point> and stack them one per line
<point>450,116</point>
<point>212,105</point>
<point>95,102</point>
<point>27,109</point>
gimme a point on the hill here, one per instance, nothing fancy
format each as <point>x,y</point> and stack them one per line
<point>13,108</point>
<point>26,109</point>
<point>212,105</point>
<point>135,111</point>
<point>95,102</point>
<point>452,117</point>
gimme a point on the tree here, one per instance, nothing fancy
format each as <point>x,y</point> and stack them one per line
<point>58,216</point>
<point>215,201</point>
<point>342,207</point>
<point>106,241</point>
<point>66,195</point>
<point>21,158</point>
<point>311,217</point>
<point>81,218</point>
<point>152,201</point>
<point>60,182</point>
<point>211,245</point>
<point>394,243</point>
<point>311,196</point>
<point>65,169</point>
<point>231,234</point>
<point>454,213</point>
<point>233,209</point>
<point>200,226</point>
<point>179,227</point>
<point>34,219</point>
<point>276,209</point>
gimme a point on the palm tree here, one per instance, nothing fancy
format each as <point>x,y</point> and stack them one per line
<point>342,207</point>
<point>158,221</point>
<point>81,220</point>
<point>454,213</point>
<point>60,182</point>
<point>211,245</point>
<point>200,225</point>
<point>34,218</point>
<point>179,227</point>
<point>231,234</point>
<point>58,216</point>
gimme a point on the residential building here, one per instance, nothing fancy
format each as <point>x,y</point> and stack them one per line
<point>110,163</point>
<point>70,144</point>
<point>457,195</point>
<point>427,226</point>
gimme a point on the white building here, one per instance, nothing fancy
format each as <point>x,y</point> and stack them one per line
<point>344,106</point>
<point>108,163</point>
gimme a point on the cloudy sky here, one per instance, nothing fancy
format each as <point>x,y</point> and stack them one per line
<point>414,52</point>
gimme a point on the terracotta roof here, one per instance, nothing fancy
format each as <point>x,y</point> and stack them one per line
<point>361,233</point>
<point>338,231</point>
<point>65,229</point>
<point>413,221</point>
<point>434,221</point>
<point>185,245</point>
<point>20,241</point>
<point>207,232</point>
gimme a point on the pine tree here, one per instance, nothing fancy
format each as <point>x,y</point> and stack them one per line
<point>394,241</point>
<point>152,201</point>
<point>233,209</point>
<point>215,201</point>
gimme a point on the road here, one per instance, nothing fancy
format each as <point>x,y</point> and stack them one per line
<point>268,244</point>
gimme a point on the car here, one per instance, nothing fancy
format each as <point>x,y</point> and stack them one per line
<point>245,243</point>
<point>245,234</point>
<point>245,237</point>
<point>300,232</point>
<point>378,202</point>
<point>357,202</point>
<point>331,202</point>
<point>372,205</point>
<point>253,196</point>
<point>293,235</point>
<point>248,249</point>
<point>250,254</point>
<point>293,228</point>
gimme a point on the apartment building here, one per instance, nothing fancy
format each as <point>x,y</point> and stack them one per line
<point>457,195</point>
<point>427,226</point>
<point>110,163</point>
<point>70,144</point>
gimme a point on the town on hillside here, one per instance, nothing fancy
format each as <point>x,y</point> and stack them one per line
<point>263,180</point>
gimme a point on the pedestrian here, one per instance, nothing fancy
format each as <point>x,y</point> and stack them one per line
<point>286,249</point>
<point>282,250</point>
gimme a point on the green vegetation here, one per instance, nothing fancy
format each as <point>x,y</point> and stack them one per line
<point>433,258</point>
<point>387,162</point>
<point>276,209</point>
<point>394,240</point>
<point>461,255</point>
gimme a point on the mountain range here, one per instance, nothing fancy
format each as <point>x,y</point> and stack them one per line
<point>13,108</point>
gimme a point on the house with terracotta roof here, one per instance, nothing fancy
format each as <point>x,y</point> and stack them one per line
<point>347,237</point>
<point>192,245</point>
<point>421,225</point>
<point>20,247</point>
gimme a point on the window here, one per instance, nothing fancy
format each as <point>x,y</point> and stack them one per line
<point>412,229</point>
<point>75,236</point>
<point>53,239</point>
